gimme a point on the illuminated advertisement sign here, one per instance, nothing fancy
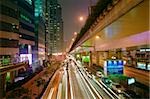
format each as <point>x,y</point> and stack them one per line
<point>131,81</point>
<point>85,58</point>
<point>26,57</point>
<point>113,67</point>
<point>141,65</point>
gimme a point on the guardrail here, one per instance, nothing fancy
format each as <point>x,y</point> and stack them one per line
<point>5,61</point>
<point>48,87</point>
<point>107,90</point>
<point>12,67</point>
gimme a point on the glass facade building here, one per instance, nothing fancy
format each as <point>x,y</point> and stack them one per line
<point>55,27</point>
<point>40,6</point>
<point>26,27</point>
<point>9,29</point>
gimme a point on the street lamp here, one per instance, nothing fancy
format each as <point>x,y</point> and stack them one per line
<point>75,33</point>
<point>81,18</point>
<point>97,37</point>
<point>73,39</point>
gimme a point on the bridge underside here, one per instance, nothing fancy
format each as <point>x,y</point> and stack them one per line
<point>131,29</point>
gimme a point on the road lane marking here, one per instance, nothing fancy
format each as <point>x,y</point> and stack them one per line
<point>82,85</point>
<point>106,90</point>
<point>71,89</point>
<point>59,95</point>
<point>88,86</point>
<point>100,97</point>
<point>66,97</point>
<point>50,93</point>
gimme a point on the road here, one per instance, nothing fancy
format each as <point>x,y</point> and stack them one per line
<point>75,83</point>
<point>78,85</point>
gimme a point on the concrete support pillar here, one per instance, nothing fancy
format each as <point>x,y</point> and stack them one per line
<point>107,54</point>
<point>119,54</point>
<point>16,73</point>
<point>91,62</point>
<point>2,85</point>
<point>97,58</point>
<point>12,77</point>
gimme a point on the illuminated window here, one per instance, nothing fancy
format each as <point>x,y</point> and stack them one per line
<point>29,1</point>
<point>25,18</point>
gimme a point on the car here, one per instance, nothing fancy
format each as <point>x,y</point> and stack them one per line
<point>117,87</point>
<point>131,94</point>
<point>90,75</point>
<point>106,80</point>
<point>99,74</point>
<point>86,69</point>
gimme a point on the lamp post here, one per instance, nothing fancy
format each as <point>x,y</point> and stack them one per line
<point>75,33</point>
<point>81,18</point>
<point>80,22</point>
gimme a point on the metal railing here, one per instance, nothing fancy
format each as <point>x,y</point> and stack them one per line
<point>5,61</point>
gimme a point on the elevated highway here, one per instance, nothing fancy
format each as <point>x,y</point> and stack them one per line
<point>121,30</point>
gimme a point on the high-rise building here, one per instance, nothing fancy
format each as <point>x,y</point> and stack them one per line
<point>9,37</point>
<point>17,28</point>
<point>26,28</point>
<point>55,27</point>
<point>9,28</point>
<point>40,8</point>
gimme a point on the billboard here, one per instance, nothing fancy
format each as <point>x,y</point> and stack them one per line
<point>113,67</point>
<point>85,58</point>
<point>26,57</point>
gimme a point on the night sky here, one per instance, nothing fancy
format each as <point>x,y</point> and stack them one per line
<point>71,10</point>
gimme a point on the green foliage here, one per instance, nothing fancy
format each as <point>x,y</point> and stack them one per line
<point>8,77</point>
<point>117,78</point>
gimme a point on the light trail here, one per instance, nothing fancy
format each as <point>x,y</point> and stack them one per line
<point>50,93</point>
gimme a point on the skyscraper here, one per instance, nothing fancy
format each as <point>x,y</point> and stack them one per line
<point>40,8</point>
<point>26,28</point>
<point>9,28</point>
<point>9,37</point>
<point>55,27</point>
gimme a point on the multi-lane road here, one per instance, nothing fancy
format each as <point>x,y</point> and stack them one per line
<point>76,83</point>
